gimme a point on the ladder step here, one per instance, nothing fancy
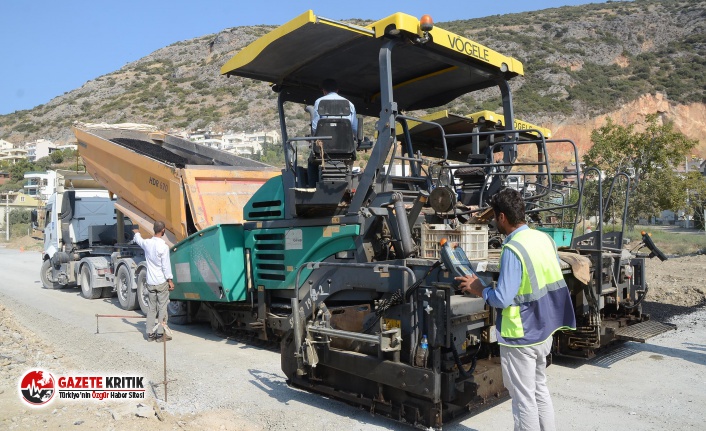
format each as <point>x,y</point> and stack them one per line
<point>256,325</point>
<point>642,331</point>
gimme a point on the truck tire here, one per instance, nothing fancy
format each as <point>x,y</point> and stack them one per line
<point>142,297</point>
<point>45,276</point>
<point>87,289</point>
<point>177,312</point>
<point>124,286</point>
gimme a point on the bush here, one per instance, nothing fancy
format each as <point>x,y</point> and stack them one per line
<point>57,156</point>
<point>19,216</point>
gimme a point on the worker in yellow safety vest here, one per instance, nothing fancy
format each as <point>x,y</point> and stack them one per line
<point>533,302</point>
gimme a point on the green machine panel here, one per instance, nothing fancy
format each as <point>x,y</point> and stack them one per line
<point>561,236</point>
<point>276,254</point>
<point>267,203</point>
<point>210,265</point>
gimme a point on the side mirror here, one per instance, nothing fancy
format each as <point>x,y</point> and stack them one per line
<point>359,132</point>
<point>365,144</point>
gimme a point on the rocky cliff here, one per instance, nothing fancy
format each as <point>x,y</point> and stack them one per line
<point>690,119</point>
<point>583,64</point>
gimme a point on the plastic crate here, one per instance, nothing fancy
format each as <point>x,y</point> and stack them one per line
<point>473,238</point>
<point>561,236</point>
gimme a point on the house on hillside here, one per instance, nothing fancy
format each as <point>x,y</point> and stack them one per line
<point>67,147</point>
<point>39,148</point>
<point>4,145</point>
<point>10,201</point>
<point>249,144</point>
<point>40,185</point>
<point>11,154</point>
<point>207,138</point>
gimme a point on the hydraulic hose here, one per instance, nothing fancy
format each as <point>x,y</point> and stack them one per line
<point>639,301</point>
<point>465,374</point>
<point>414,287</point>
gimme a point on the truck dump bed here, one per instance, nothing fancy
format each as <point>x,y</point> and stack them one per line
<point>158,176</point>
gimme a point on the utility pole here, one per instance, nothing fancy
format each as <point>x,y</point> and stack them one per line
<point>7,216</point>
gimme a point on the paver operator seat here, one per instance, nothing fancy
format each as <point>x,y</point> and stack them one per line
<point>332,159</point>
<point>325,184</point>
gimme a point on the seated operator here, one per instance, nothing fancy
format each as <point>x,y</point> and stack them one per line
<point>330,90</point>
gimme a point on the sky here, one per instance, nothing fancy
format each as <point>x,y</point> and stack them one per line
<point>50,47</point>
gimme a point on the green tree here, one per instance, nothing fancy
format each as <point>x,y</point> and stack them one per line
<point>648,157</point>
<point>12,186</point>
<point>18,170</point>
<point>57,156</point>
<point>272,154</point>
<point>43,164</point>
<point>18,216</point>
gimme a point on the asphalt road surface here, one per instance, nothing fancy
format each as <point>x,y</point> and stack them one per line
<point>660,385</point>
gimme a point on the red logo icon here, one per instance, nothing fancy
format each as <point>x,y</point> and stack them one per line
<point>37,387</point>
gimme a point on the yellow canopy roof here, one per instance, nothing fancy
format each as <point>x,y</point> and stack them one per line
<point>300,54</point>
<point>427,137</point>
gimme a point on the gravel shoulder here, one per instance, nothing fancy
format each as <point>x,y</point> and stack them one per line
<point>219,383</point>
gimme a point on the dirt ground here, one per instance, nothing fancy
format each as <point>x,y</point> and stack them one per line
<point>26,243</point>
<point>678,281</point>
<point>675,287</point>
<point>21,349</point>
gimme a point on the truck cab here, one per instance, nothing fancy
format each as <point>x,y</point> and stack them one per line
<point>81,236</point>
<point>72,217</point>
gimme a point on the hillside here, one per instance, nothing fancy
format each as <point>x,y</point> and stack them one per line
<point>582,63</point>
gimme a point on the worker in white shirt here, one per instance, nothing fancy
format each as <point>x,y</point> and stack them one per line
<point>159,279</point>
<point>330,89</point>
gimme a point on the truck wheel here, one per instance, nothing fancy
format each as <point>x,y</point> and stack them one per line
<point>45,275</point>
<point>87,289</point>
<point>177,312</point>
<point>142,296</point>
<point>127,296</point>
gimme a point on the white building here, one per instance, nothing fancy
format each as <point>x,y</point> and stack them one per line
<point>207,138</point>
<point>12,155</point>
<point>38,149</point>
<point>67,147</point>
<point>14,201</point>
<point>4,145</point>
<point>248,144</point>
<point>40,184</point>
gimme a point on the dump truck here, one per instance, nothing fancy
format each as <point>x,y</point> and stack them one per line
<point>87,238</point>
<point>342,267</point>
<point>83,238</point>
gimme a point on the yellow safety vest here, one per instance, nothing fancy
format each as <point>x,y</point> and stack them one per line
<point>542,304</point>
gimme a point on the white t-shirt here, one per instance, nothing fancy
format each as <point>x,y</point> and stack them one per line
<point>159,267</point>
<point>334,96</point>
